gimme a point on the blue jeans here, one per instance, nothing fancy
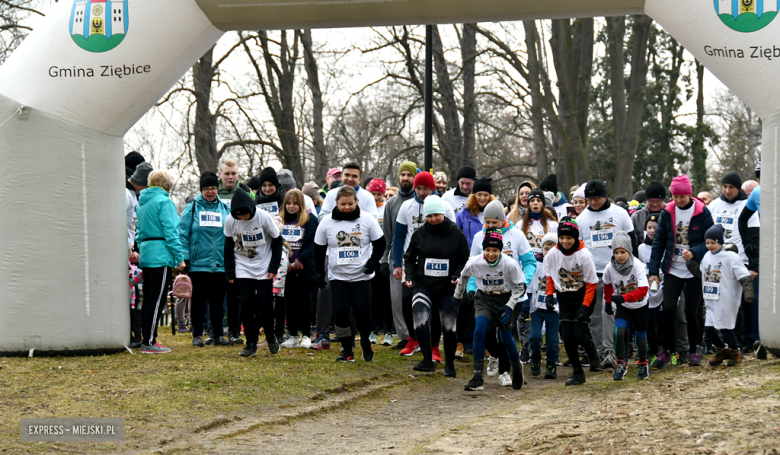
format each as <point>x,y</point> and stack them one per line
<point>552,321</point>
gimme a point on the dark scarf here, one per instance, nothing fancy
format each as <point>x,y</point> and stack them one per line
<point>277,197</point>
<point>535,215</point>
<point>603,207</point>
<point>439,229</point>
<point>570,251</point>
<point>341,216</point>
<point>292,218</point>
<point>458,192</point>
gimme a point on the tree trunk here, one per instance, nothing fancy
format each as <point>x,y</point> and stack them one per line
<point>698,152</point>
<point>205,132</point>
<point>451,142</point>
<point>627,124</point>
<point>537,121</point>
<point>312,73</point>
<point>468,49</point>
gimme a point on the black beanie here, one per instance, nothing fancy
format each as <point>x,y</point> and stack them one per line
<point>652,217</point>
<point>209,179</point>
<point>467,172</point>
<point>269,175</point>
<point>538,193</point>
<point>715,233</point>
<point>132,160</point>
<point>732,178</point>
<point>595,188</point>
<point>549,183</point>
<point>493,238</point>
<point>655,191</point>
<point>568,226</point>
<point>253,183</point>
<point>482,184</point>
<point>640,197</point>
<point>621,199</point>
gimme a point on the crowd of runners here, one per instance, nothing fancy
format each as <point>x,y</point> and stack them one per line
<point>663,279</point>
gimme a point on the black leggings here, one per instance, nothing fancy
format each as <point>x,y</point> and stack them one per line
<point>721,338</point>
<point>157,281</point>
<point>432,309</point>
<point>465,329</point>
<point>673,288</point>
<point>575,333</point>
<point>381,311</point>
<point>257,307</point>
<point>211,287</point>
<point>351,297</point>
<point>654,329</point>
<point>297,293</point>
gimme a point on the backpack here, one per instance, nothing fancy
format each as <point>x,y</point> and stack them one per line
<point>182,287</point>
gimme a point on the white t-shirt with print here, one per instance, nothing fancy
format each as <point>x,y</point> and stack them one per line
<point>536,232</point>
<point>538,290</point>
<point>727,215</point>
<point>623,284</point>
<point>349,245</point>
<point>598,228</point>
<point>501,278</point>
<point>457,202</point>
<point>252,240</point>
<point>412,216</point>
<point>365,201</point>
<point>570,273</point>
<point>683,222</point>
<point>380,211</point>
<point>515,244</point>
<point>562,210</point>
<point>720,275</point>
<point>655,299</point>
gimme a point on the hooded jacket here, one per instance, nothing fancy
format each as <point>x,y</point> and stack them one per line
<point>157,231</point>
<point>663,242</point>
<point>468,223</point>
<point>203,246</point>
<point>444,241</point>
<point>240,200</point>
<point>306,253</point>
<point>277,197</point>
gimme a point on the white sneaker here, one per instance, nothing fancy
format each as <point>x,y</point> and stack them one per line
<point>505,380</point>
<point>291,343</point>
<point>305,342</point>
<point>492,369</point>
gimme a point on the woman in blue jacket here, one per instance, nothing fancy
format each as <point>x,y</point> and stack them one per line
<point>203,241</point>
<point>472,217</point>
<point>160,251</point>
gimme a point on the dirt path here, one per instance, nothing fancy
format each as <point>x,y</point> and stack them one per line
<point>684,410</point>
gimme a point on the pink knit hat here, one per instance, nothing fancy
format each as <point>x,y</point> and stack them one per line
<point>681,186</point>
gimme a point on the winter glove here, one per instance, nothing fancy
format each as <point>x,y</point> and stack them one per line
<point>550,302</point>
<point>384,269</point>
<point>618,299</point>
<point>369,268</point>
<point>455,303</point>
<point>525,315</point>
<point>583,313</point>
<point>321,282</point>
<point>608,307</point>
<point>751,250</point>
<point>506,315</point>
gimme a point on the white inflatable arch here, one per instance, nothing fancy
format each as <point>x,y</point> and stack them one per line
<point>92,68</point>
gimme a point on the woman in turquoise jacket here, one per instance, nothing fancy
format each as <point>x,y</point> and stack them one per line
<point>201,232</point>
<point>160,251</point>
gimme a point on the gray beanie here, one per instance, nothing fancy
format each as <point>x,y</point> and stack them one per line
<point>286,179</point>
<point>549,199</point>
<point>622,240</point>
<point>141,175</point>
<point>494,209</point>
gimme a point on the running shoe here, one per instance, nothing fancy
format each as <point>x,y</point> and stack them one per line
<point>505,379</point>
<point>156,348</point>
<point>759,350</point>
<point>621,370</point>
<point>209,340</point>
<point>291,343</point>
<point>609,361</point>
<point>197,342</point>
<point>643,372</point>
<point>249,351</point>
<point>684,357</point>
<point>183,328</point>
<point>585,360</point>
<point>735,357</point>
<point>476,383</point>
<point>221,341</point>
<point>273,346</point>
<point>492,368</point>
<point>373,338</point>
<point>305,342</point>
<point>536,368</point>
<point>345,357</point>
<point>459,351</point>
<point>368,353</point>
<point>673,358</point>
<point>525,356</point>
<point>449,371</point>
<point>551,372</point>
<point>436,355</point>
<point>426,366</point>
<point>661,359</point>
<point>388,339</point>
<point>695,360</point>
<point>517,376</point>
<point>400,345</point>
<point>576,378</point>
<point>412,346</point>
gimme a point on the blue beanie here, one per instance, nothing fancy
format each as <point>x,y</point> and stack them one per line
<point>433,205</point>
<point>715,233</point>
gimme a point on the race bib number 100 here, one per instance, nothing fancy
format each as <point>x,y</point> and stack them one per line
<point>348,255</point>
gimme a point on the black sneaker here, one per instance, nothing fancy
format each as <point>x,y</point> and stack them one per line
<point>759,350</point>
<point>567,363</point>
<point>449,371</point>
<point>468,349</point>
<point>685,357</point>
<point>517,377</point>
<point>273,346</point>
<point>345,357</point>
<point>426,366</point>
<point>400,345</point>
<point>576,378</point>
<point>368,354</point>
<point>221,341</point>
<point>551,372</point>
<point>525,356</point>
<point>235,340</point>
<point>208,341</point>
<point>476,383</point>
<point>249,351</point>
<point>536,368</point>
<point>585,360</point>
<point>197,342</point>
